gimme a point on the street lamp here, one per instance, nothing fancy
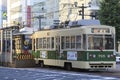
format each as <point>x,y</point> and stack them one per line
<point>39,18</point>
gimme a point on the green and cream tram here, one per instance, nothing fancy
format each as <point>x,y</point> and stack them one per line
<point>85,47</point>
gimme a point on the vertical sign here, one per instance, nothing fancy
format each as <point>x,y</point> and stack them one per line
<point>28,16</point>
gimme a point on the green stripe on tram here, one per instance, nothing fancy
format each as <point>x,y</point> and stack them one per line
<point>56,55</point>
<point>52,55</point>
<point>81,55</point>
<point>101,56</point>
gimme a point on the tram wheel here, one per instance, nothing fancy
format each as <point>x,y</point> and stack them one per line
<point>41,63</point>
<point>68,66</point>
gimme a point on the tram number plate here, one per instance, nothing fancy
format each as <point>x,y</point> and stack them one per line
<point>101,56</point>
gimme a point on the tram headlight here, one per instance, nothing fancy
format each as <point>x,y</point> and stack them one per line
<point>112,55</point>
<point>108,56</point>
<point>90,55</point>
<point>94,56</point>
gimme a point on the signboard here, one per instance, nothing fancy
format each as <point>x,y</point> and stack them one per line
<point>28,16</point>
<point>43,54</point>
<point>71,55</point>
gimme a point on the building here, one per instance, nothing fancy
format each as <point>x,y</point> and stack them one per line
<point>14,9</point>
<point>72,9</point>
<point>38,10</point>
<point>3,12</point>
<point>44,14</point>
<point>61,11</point>
<point>19,13</point>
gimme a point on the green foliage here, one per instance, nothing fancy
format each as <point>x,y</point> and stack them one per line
<point>36,54</point>
<point>109,14</point>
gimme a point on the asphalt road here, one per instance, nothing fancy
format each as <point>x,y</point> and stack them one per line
<point>110,73</point>
<point>48,74</point>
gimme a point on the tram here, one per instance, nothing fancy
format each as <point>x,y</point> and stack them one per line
<point>84,47</point>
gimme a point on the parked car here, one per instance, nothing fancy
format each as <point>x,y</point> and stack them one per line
<point>117,57</point>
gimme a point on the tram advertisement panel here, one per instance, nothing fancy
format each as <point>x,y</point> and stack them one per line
<point>27,45</point>
<point>22,44</point>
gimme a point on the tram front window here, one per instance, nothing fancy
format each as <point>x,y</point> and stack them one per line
<point>100,42</point>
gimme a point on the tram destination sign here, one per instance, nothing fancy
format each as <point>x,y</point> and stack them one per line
<point>100,30</point>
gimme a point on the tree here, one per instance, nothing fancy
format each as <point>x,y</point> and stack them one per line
<point>109,14</point>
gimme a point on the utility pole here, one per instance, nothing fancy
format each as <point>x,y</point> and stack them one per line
<point>91,6</point>
<point>81,12</point>
<point>39,18</point>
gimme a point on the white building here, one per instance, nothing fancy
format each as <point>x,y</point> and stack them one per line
<point>3,8</point>
<point>38,10</point>
<point>19,12</point>
<point>50,11</point>
<point>71,9</point>
<point>55,11</point>
<point>47,9</point>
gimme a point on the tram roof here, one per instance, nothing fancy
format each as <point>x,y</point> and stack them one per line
<point>9,27</point>
<point>74,28</point>
<point>24,31</point>
<point>84,23</point>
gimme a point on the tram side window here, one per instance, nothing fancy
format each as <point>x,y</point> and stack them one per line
<point>84,42</point>
<point>62,42</point>
<point>52,39</point>
<point>67,42</point>
<point>72,42</point>
<point>48,43</point>
<point>90,42</point>
<point>44,42</point>
<point>37,43</point>
<point>40,42</point>
<point>78,42</point>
